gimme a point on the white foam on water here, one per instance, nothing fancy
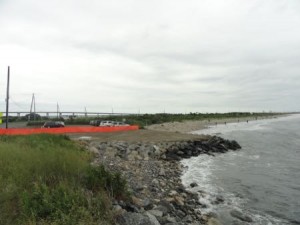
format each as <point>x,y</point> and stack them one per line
<point>266,219</point>
<point>254,157</point>
<point>200,170</point>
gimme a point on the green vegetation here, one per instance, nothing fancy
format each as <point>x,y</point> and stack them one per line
<point>148,119</point>
<point>48,179</point>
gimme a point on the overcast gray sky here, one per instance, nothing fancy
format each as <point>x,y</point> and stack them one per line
<point>153,56</point>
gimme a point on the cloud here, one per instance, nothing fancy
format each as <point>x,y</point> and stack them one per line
<point>160,55</point>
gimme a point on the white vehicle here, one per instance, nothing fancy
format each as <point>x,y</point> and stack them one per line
<point>118,124</point>
<point>106,123</point>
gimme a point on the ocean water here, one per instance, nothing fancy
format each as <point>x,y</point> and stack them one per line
<point>262,180</point>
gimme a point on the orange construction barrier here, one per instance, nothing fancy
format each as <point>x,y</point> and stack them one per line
<point>63,130</point>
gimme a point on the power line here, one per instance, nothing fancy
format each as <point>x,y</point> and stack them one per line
<point>16,104</point>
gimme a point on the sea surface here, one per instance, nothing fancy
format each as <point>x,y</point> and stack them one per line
<point>262,180</point>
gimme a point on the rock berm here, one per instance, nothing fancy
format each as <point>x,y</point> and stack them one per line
<point>153,172</point>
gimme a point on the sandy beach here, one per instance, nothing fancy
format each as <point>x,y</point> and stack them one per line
<point>193,125</point>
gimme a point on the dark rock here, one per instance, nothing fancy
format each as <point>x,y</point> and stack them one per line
<point>147,204</point>
<point>213,214</point>
<point>235,145</point>
<point>164,209</point>
<point>172,156</point>
<point>180,213</point>
<point>194,184</point>
<point>218,200</point>
<point>130,207</point>
<point>239,215</point>
<point>187,219</point>
<point>188,149</point>
<point>180,189</point>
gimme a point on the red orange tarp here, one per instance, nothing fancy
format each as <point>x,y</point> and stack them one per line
<point>63,130</point>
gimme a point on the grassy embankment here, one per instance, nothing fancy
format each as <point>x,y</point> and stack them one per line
<point>149,119</point>
<point>48,179</point>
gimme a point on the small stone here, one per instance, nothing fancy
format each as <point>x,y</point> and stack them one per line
<point>170,199</point>
<point>171,219</point>
<point>162,172</point>
<point>156,212</point>
<point>155,182</point>
<point>179,200</point>
<point>117,208</point>
<point>173,193</point>
<point>136,201</point>
<point>162,183</point>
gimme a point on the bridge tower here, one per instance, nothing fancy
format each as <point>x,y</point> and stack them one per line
<point>32,107</point>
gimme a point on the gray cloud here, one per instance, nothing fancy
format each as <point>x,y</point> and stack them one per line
<point>160,55</point>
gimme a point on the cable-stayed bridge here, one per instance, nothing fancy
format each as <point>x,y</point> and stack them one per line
<point>65,113</point>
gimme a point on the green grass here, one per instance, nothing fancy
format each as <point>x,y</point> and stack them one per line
<point>48,179</point>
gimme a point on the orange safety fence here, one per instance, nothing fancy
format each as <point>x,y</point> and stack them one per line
<point>63,130</point>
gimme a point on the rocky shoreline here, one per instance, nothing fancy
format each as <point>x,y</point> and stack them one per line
<point>153,172</point>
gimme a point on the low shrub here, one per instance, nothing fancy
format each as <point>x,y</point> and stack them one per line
<point>98,178</point>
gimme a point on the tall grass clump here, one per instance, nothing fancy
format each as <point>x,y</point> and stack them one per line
<point>48,179</point>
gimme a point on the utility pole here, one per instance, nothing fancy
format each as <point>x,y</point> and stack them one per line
<point>7,96</point>
<point>57,109</point>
